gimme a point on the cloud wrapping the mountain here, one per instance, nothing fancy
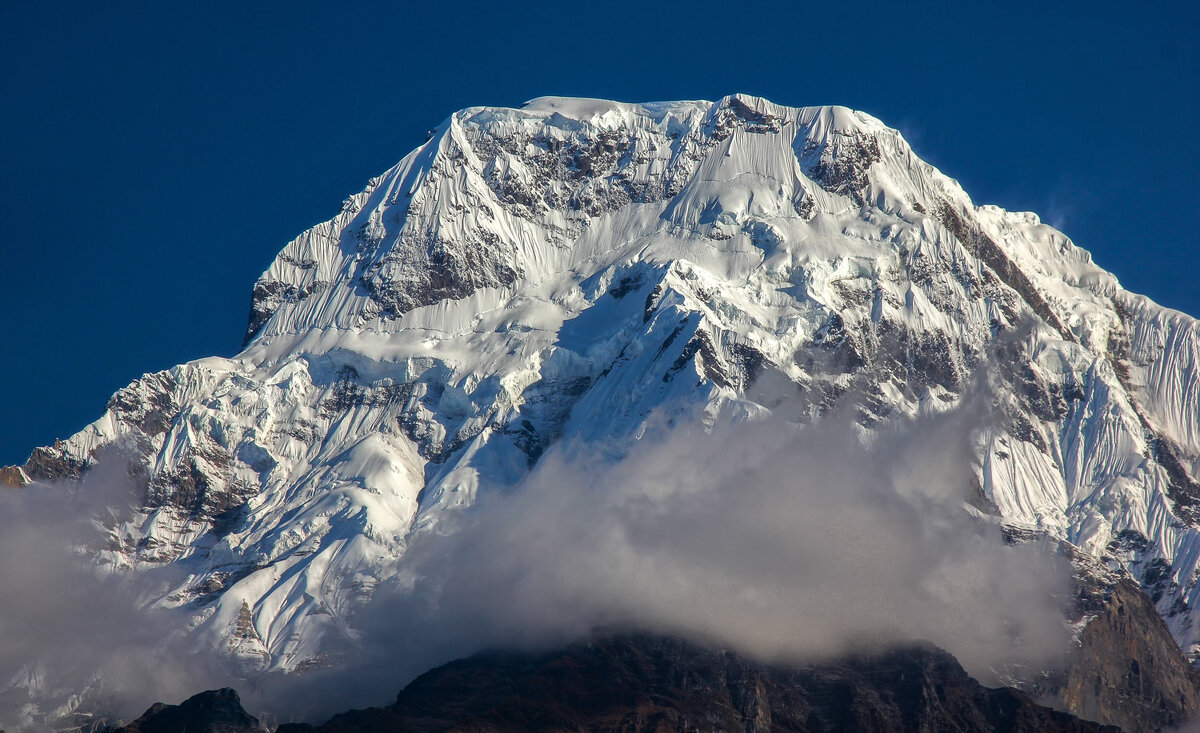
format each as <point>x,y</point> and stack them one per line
<point>786,543</point>
<point>71,628</point>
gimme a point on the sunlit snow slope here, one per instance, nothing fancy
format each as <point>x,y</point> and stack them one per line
<point>563,271</point>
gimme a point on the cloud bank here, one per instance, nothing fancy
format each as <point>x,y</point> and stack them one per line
<point>70,630</point>
<point>787,543</point>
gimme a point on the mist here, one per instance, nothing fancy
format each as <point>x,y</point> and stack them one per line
<point>72,628</point>
<point>787,543</point>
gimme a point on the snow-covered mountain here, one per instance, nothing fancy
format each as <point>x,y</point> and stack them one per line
<point>569,269</point>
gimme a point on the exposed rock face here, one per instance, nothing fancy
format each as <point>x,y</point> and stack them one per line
<point>636,683</point>
<point>13,477</point>
<point>1125,669</point>
<point>56,463</point>
<point>1128,670</point>
<point>214,711</point>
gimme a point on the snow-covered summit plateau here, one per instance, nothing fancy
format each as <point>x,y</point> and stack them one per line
<point>571,268</point>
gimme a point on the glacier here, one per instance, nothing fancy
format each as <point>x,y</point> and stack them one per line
<point>570,269</point>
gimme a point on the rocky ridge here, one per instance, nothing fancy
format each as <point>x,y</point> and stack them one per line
<point>639,683</point>
<point>214,711</point>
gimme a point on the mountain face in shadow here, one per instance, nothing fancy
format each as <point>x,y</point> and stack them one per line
<point>636,682</point>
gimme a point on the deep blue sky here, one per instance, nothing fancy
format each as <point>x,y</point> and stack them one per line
<point>155,157</point>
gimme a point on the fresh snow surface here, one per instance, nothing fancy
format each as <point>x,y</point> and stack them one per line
<point>566,270</point>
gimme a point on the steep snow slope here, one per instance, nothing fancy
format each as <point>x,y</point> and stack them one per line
<point>573,267</point>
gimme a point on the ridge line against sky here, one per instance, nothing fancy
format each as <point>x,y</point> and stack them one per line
<point>157,158</point>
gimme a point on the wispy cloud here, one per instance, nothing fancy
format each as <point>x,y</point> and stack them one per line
<point>784,542</point>
<point>70,628</point>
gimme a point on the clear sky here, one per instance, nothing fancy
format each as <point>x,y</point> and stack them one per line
<point>156,156</point>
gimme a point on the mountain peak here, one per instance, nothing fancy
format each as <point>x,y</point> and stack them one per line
<point>583,271</point>
<point>493,200</point>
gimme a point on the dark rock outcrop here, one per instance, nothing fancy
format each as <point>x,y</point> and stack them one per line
<point>1128,670</point>
<point>647,683</point>
<point>12,477</point>
<point>1127,673</point>
<point>214,711</point>
<point>54,463</point>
